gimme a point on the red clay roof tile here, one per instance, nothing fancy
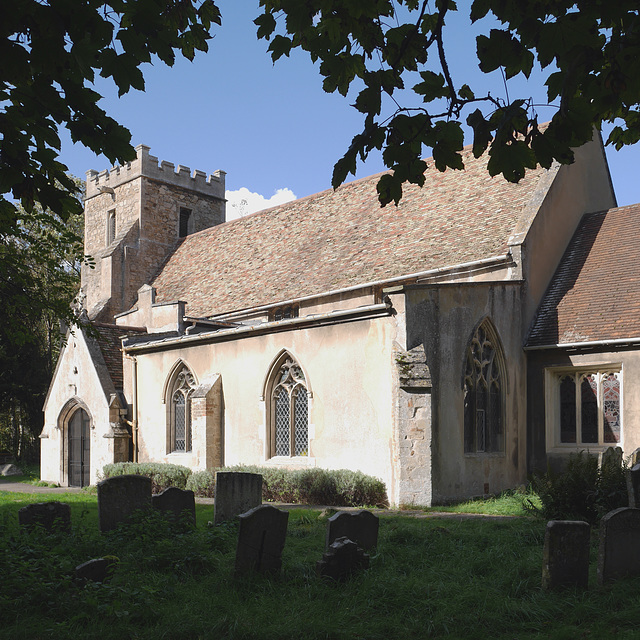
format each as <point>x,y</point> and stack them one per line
<point>595,292</point>
<point>338,239</point>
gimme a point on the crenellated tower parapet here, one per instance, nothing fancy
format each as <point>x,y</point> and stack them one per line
<point>148,166</point>
<point>134,216</point>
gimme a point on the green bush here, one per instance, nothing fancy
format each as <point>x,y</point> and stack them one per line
<point>162,475</point>
<point>202,483</point>
<point>340,488</point>
<point>582,491</point>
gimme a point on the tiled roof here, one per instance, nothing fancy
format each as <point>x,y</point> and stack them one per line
<point>108,340</point>
<point>338,239</point>
<point>595,293</point>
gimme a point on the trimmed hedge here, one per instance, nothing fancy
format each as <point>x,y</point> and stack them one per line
<point>162,475</point>
<point>341,488</point>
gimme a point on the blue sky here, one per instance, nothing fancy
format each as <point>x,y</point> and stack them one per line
<point>271,127</point>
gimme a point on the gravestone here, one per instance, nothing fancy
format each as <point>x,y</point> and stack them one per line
<point>119,497</point>
<point>619,553</point>
<point>612,457</point>
<point>49,515</point>
<point>176,503</point>
<point>342,559</point>
<point>361,527</point>
<point>236,493</point>
<point>9,469</point>
<point>261,540</point>
<point>565,559</point>
<point>96,570</point>
<point>633,486</point>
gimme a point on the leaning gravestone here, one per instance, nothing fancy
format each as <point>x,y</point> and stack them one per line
<point>633,486</point>
<point>342,559</point>
<point>361,527</point>
<point>619,553</point>
<point>261,540</point>
<point>565,559</point>
<point>176,503</point>
<point>119,497</point>
<point>236,492</point>
<point>49,515</point>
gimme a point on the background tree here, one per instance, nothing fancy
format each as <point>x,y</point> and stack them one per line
<point>393,54</point>
<point>40,264</point>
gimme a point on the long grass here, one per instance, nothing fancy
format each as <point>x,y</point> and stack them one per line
<point>430,577</point>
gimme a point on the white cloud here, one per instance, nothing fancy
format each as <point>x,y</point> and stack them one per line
<point>243,202</point>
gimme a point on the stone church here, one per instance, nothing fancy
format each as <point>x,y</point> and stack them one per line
<point>450,345</point>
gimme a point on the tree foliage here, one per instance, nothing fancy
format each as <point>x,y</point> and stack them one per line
<point>392,54</point>
<point>51,52</point>
<point>40,267</point>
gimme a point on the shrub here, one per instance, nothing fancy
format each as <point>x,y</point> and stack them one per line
<point>582,491</point>
<point>162,475</point>
<point>202,483</point>
<point>342,488</point>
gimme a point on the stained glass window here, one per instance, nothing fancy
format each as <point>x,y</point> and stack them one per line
<point>590,400</point>
<point>290,411</point>
<point>483,394</point>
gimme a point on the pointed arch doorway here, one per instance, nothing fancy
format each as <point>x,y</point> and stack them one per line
<point>79,449</point>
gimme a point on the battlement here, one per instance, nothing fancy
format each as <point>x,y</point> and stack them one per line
<point>147,165</point>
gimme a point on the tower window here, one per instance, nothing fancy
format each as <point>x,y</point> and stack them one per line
<point>111,226</point>
<point>185,217</point>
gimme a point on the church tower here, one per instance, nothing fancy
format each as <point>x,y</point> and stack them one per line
<point>134,216</point>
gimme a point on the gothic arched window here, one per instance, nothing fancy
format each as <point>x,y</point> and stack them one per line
<point>484,393</point>
<point>180,410</point>
<point>289,410</point>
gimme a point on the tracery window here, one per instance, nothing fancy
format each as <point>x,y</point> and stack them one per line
<point>589,407</point>
<point>289,411</point>
<point>180,408</point>
<point>484,393</point>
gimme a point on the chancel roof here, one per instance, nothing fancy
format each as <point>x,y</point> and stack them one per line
<point>343,238</point>
<point>595,293</point>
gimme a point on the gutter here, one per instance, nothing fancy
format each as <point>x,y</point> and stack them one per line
<point>578,345</point>
<point>411,278</point>
<point>317,320</point>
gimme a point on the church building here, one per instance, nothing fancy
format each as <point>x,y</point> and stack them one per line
<point>450,346</point>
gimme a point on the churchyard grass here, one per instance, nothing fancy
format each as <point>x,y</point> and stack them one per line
<point>452,576</point>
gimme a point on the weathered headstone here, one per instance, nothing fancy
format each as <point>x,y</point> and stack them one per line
<point>236,493</point>
<point>261,540</point>
<point>361,527</point>
<point>565,559</point>
<point>176,503</point>
<point>49,515</point>
<point>9,469</point>
<point>342,559</point>
<point>119,497</point>
<point>633,486</point>
<point>96,570</point>
<point>612,457</point>
<point>619,553</point>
